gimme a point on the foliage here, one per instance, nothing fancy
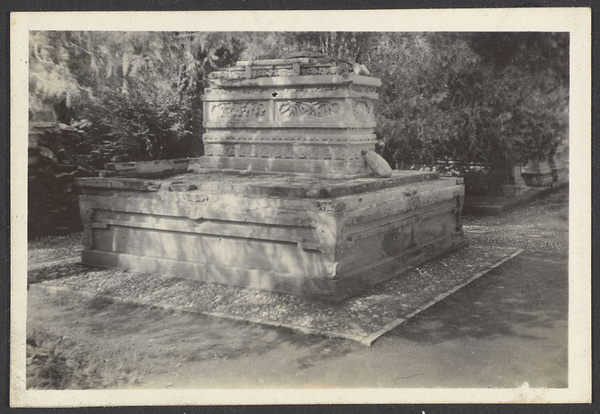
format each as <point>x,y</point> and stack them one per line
<point>118,96</point>
<point>491,99</point>
<point>524,95</point>
<point>416,112</point>
<point>345,46</point>
<point>472,103</point>
<point>141,91</point>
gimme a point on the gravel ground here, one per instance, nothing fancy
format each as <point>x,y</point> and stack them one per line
<point>359,318</point>
<point>542,225</point>
<point>523,238</point>
<point>51,251</point>
<point>539,213</point>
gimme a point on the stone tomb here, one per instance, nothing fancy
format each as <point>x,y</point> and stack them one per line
<point>283,199</point>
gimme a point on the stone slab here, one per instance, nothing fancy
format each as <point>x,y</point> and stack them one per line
<point>259,184</point>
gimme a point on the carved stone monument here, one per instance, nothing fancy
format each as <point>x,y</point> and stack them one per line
<point>297,115</point>
<point>283,199</point>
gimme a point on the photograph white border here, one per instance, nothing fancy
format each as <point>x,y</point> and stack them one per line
<point>576,21</point>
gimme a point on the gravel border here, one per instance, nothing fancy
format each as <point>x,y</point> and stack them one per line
<point>363,318</point>
<point>519,236</point>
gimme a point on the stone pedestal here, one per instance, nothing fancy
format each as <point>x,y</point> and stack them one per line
<point>315,237</point>
<point>559,164</point>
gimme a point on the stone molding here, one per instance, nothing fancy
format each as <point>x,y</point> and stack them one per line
<point>295,81</point>
<point>329,114</point>
<point>269,93</point>
<point>291,111</point>
<point>233,137</point>
<point>363,110</point>
<point>294,151</point>
<point>268,71</point>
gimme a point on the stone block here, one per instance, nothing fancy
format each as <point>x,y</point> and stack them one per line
<point>310,236</point>
<point>289,115</point>
<point>537,174</point>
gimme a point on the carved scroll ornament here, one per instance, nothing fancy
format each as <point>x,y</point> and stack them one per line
<point>231,110</point>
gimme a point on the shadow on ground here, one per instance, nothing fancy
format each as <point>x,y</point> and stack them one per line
<point>527,292</point>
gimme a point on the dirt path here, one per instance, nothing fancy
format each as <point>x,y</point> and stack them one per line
<point>506,328</point>
<point>500,331</point>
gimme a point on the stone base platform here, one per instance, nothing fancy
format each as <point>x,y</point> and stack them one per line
<point>309,236</point>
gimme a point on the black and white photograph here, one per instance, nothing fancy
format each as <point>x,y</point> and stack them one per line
<point>301,207</point>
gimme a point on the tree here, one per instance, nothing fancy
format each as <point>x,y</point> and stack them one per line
<point>140,92</point>
<point>532,72</point>
<point>487,98</point>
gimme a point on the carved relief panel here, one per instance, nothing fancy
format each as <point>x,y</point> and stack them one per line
<point>301,110</point>
<point>363,110</point>
<point>237,111</point>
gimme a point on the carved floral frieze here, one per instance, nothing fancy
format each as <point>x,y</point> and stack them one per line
<point>318,109</point>
<point>324,70</point>
<point>270,92</point>
<point>364,88</point>
<point>264,73</point>
<point>236,73</point>
<point>232,137</point>
<point>318,114</point>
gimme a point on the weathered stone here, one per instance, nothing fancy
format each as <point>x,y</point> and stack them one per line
<point>268,116</point>
<point>283,199</point>
<point>147,168</point>
<point>329,243</point>
<point>558,161</point>
<point>537,173</point>
<point>377,164</point>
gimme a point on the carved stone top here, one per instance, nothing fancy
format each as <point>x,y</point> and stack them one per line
<point>295,64</point>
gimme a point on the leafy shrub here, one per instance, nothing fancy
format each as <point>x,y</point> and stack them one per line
<point>138,93</point>
<point>477,98</point>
